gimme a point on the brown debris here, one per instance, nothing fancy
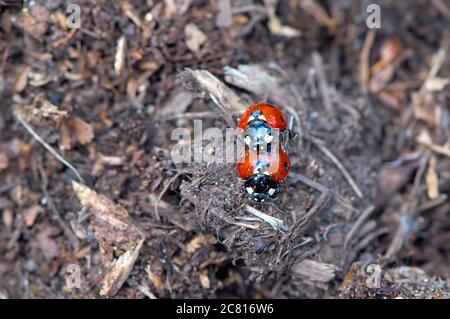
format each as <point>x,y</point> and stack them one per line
<point>119,60</point>
<point>194,37</point>
<point>74,130</point>
<point>115,231</point>
<point>314,270</point>
<point>41,112</point>
<point>31,214</point>
<point>4,161</point>
<point>120,270</point>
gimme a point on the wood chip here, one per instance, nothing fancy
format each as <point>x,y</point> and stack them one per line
<point>199,241</point>
<point>116,233</point>
<point>436,84</point>
<point>319,13</point>
<point>432,179</point>
<point>49,247</point>
<point>315,270</point>
<point>177,103</point>
<point>74,130</point>
<point>194,37</point>
<point>120,270</point>
<point>40,112</point>
<point>156,280</point>
<point>224,16</point>
<point>424,138</point>
<point>31,214</point>
<point>204,279</point>
<point>364,70</point>
<point>4,161</point>
<point>389,52</point>
<point>22,80</point>
<point>203,82</point>
<point>119,60</point>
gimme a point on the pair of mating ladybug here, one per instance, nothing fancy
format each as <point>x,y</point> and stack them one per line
<point>265,132</point>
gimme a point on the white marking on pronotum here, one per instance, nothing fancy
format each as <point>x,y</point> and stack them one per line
<point>247,140</point>
<point>266,173</point>
<point>251,118</point>
<point>271,191</point>
<point>262,118</point>
<point>249,190</point>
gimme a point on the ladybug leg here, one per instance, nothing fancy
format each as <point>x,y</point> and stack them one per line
<point>290,122</point>
<point>294,117</point>
<point>286,136</point>
<point>292,134</point>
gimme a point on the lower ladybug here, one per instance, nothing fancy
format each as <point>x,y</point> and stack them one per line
<point>263,171</point>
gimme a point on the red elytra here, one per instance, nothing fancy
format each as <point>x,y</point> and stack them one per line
<point>273,116</point>
<point>276,165</point>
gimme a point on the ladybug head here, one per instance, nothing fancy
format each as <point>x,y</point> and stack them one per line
<point>256,115</point>
<point>261,187</point>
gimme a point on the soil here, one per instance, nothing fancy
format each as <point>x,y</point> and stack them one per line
<point>93,205</point>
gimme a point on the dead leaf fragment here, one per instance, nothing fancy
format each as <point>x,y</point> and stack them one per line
<point>155,279</point>
<point>364,71</point>
<point>120,270</point>
<point>199,241</point>
<point>424,138</point>
<point>4,161</point>
<point>116,233</point>
<point>40,112</point>
<point>8,217</point>
<point>392,178</point>
<point>224,16</point>
<point>203,82</point>
<point>99,204</point>
<point>31,214</point>
<point>119,60</point>
<point>179,100</point>
<point>389,52</point>
<point>49,247</point>
<point>432,179</point>
<point>22,80</point>
<point>104,160</point>
<point>275,25</point>
<point>34,21</point>
<point>194,37</point>
<point>436,84</point>
<point>277,28</point>
<point>319,13</point>
<point>204,279</point>
<point>75,130</point>
<point>315,270</point>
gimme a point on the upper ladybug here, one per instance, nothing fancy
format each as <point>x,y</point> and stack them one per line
<point>264,112</point>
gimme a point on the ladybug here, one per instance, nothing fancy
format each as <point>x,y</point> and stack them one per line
<point>264,171</point>
<point>265,164</point>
